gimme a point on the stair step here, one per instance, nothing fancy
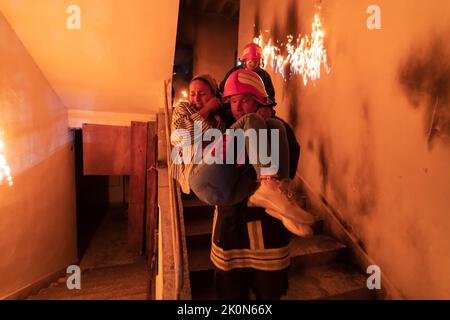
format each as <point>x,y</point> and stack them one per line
<point>202,285</point>
<point>198,223</point>
<point>194,202</point>
<point>112,293</point>
<point>198,254</point>
<point>197,211</point>
<point>126,272</point>
<point>138,296</point>
<point>127,282</point>
<point>331,281</point>
<point>315,250</point>
<point>325,282</point>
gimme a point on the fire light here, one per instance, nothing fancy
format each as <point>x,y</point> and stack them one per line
<point>303,56</point>
<point>5,171</point>
<point>182,97</point>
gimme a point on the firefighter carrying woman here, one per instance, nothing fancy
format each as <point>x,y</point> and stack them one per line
<point>254,200</point>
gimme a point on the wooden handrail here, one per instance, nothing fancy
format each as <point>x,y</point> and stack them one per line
<point>175,270</point>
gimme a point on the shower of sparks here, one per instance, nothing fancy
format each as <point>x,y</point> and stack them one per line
<point>303,56</point>
<point>5,171</point>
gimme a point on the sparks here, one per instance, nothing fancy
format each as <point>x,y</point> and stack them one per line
<point>5,171</point>
<point>304,56</point>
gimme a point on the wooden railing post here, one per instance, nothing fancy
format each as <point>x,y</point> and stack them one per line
<point>138,166</point>
<point>152,206</point>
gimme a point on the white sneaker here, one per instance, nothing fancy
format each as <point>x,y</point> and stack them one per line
<point>278,202</point>
<point>301,230</point>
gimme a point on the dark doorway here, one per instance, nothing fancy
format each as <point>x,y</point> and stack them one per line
<point>102,208</point>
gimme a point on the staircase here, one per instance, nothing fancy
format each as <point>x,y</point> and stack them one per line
<point>319,267</point>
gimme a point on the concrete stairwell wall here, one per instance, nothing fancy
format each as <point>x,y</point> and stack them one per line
<point>213,39</point>
<point>54,75</point>
<point>37,214</point>
<point>215,46</point>
<point>375,133</point>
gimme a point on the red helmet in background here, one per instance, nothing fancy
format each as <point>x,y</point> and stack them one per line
<point>244,81</point>
<point>251,51</point>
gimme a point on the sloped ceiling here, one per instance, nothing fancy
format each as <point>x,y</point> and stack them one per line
<point>115,63</point>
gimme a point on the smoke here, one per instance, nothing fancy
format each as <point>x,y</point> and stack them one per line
<point>425,79</point>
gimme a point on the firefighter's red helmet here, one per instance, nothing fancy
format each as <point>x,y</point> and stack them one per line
<point>251,51</point>
<point>244,81</point>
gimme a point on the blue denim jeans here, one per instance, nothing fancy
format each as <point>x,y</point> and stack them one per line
<point>228,184</point>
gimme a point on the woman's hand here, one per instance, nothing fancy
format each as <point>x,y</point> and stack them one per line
<point>211,106</point>
<point>265,112</point>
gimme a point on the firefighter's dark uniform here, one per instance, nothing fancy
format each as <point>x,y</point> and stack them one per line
<point>250,249</point>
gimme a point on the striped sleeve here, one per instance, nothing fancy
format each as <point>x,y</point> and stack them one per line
<point>184,122</point>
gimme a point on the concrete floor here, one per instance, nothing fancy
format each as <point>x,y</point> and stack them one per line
<point>109,269</point>
<point>108,246</point>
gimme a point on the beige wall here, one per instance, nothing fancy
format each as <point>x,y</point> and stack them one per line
<point>37,214</point>
<point>214,40</point>
<point>114,67</point>
<point>215,46</point>
<point>365,128</point>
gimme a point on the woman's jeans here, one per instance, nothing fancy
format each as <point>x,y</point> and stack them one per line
<point>228,184</point>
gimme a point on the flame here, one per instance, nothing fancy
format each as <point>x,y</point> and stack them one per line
<point>5,170</point>
<point>183,97</point>
<point>304,57</point>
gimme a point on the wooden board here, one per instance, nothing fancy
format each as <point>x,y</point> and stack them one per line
<point>138,166</point>
<point>151,206</point>
<point>106,150</point>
